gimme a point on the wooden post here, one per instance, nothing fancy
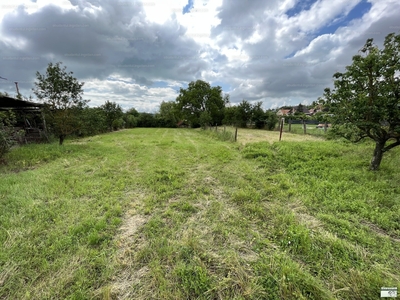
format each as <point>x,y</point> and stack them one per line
<point>236,134</point>
<point>281,128</point>
<point>290,124</point>
<point>325,127</point>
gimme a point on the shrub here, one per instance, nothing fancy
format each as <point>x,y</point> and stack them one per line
<point>8,136</point>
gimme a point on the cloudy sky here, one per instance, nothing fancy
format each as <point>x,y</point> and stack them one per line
<point>139,53</point>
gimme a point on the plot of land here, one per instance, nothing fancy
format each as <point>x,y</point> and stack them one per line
<point>176,214</point>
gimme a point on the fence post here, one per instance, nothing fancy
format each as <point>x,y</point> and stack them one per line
<point>281,129</point>
<point>326,127</point>
<point>236,134</point>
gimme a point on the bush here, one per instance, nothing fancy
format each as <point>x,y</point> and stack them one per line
<point>118,124</point>
<point>8,136</point>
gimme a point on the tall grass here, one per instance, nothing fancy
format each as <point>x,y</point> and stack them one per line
<point>178,214</point>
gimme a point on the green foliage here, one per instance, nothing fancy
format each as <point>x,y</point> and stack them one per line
<point>8,136</point>
<point>113,115</point>
<point>93,121</point>
<point>169,114</point>
<point>131,118</point>
<point>366,98</point>
<point>198,98</point>
<point>271,119</point>
<point>118,124</point>
<point>205,119</point>
<point>147,120</point>
<point>130,121</point>
<point>63,95</point>
<point>246,113</point>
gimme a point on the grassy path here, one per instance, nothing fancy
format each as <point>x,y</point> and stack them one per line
<point>175,214</point>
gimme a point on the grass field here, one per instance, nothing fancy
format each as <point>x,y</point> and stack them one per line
<point>245,135</point>
<point>179,214</point>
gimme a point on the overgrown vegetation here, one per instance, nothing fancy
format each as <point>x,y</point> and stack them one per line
<point>8,135</point>
<point>174,214</point>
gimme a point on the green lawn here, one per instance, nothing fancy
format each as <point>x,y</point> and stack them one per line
<point>178,214</point>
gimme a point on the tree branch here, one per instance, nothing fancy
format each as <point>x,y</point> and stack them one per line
<point>395,144</point>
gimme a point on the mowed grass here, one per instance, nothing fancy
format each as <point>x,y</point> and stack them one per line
<point>178,214</point>
<point>246,135</point>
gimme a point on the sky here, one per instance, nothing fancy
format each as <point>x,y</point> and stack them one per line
<point>140,53</point>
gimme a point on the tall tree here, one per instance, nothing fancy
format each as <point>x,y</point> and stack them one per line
<point>168,114</point>
<point>113,113</point>
<point>258,115</point>
<point>131,118</point>
<point>63,95</point>
<point>198,98</point>
<point>366,97</point>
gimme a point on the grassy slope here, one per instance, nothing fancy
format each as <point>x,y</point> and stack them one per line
<point>175,214</point>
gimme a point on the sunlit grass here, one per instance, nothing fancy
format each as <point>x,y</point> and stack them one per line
<point>179,214</point>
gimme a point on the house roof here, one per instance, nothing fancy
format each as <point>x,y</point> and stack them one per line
<point>7,103</point>
<point>284,111</point>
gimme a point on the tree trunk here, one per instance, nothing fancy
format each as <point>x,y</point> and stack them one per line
<point>62,137</point>
<point>377,158</point>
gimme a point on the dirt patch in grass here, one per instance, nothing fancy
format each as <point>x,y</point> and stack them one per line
<point>121,287</point>
<point>127,242</point>
<point>379,231</point>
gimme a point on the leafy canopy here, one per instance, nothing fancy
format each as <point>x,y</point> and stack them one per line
<point>366,97</point>
<point>202,104</point>
<point>63,95</point>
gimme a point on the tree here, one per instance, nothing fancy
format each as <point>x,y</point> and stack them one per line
<point>131,118</point>
<point>168,114</point>
<point>258,115</point>
<point>113,113</point>
<point>146,120</point>
<point>231,115</point>
<point>200,97</point>
<point>93,121</point>
<point>271,119</point>
<point>366,97</point>
<point>62,93</point>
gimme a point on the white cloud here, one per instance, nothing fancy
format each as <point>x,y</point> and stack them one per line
<point>124,50</point>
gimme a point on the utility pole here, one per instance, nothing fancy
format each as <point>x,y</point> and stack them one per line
<point>18,94</point>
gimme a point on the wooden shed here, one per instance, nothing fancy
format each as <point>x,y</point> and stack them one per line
<point>30,117</point>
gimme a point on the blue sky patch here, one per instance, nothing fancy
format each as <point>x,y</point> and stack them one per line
<point>300,6</point>
<point>356,13</point>
<point>188,7</point>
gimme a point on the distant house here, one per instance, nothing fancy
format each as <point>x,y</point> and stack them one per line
<point>301,109</point>
<point>283,112</point>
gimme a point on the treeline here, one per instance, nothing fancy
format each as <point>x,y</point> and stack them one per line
<point>110,117</point>
<point>200,105</point>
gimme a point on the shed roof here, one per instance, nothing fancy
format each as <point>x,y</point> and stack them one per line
<point>7,103</point>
